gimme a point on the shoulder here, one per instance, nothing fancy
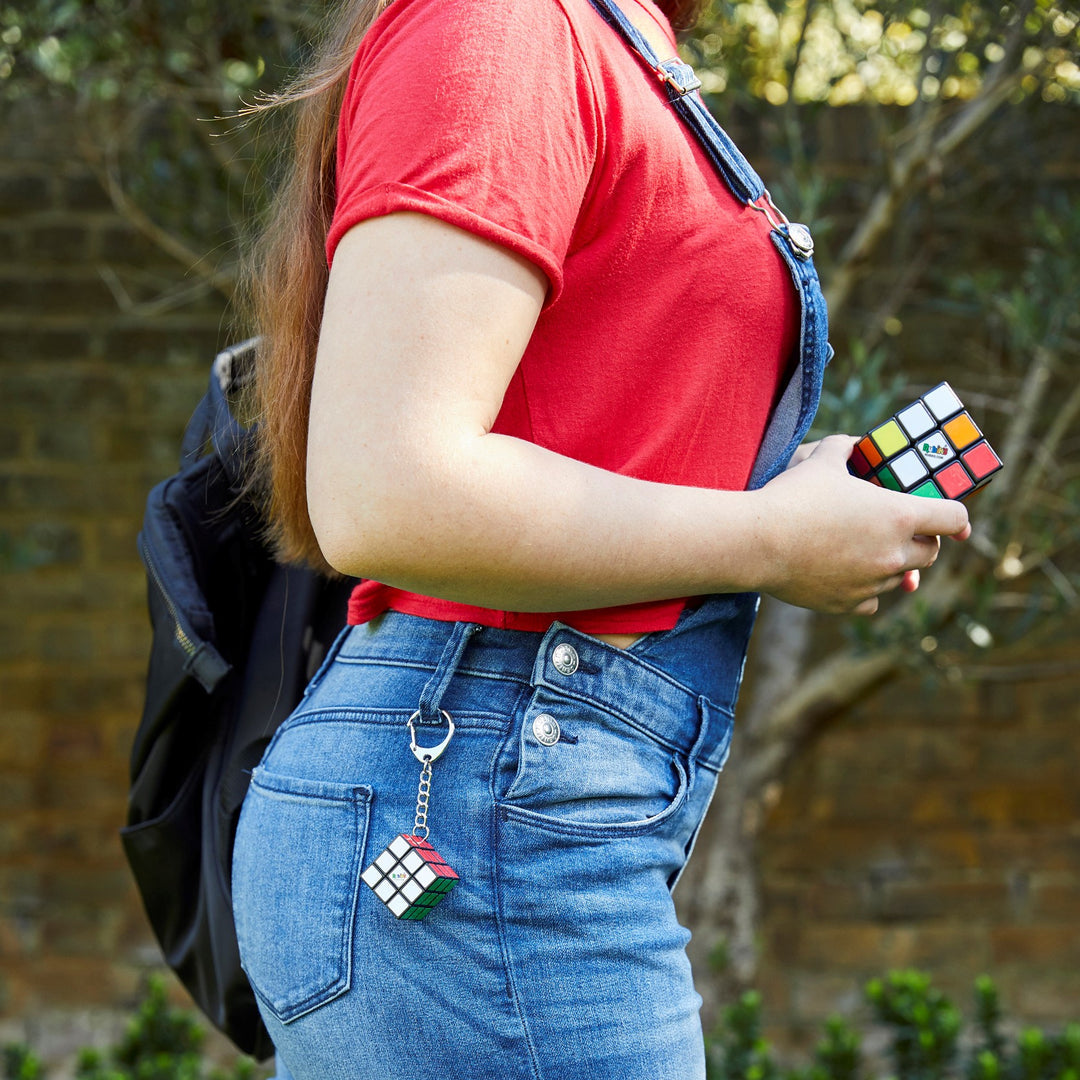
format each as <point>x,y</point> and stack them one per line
<point>478,27</point>
<point>482,57</point>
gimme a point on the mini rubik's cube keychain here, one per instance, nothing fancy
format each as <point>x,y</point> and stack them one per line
<point>931,448</point>
<point>409,876</point>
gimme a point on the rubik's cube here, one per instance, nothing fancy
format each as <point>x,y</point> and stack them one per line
<point>931,448</point>
<point>409,877</point>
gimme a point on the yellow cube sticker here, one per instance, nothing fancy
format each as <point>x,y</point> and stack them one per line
<point>889,438</point>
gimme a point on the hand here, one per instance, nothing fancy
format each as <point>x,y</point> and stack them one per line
<point>802,452</point>
<point>837,543</point>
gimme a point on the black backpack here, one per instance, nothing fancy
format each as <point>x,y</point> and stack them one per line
<point>236,637</point>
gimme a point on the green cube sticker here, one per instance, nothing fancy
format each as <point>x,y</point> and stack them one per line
<point>929,490</point>
<point>888,480</point>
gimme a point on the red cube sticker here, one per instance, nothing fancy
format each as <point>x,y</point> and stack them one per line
<point>981,460</point>
<point>954,480</point>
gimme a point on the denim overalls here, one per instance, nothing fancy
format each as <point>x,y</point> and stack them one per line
<point>567,800</point>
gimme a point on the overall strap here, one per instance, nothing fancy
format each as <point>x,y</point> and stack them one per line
<point>682,87</point>
<point>681,84</point>
<point>794,413</point>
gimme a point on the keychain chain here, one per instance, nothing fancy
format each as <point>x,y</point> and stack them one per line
<point>422,796</point>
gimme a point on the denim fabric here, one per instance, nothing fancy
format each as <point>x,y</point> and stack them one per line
<point>558,956</point>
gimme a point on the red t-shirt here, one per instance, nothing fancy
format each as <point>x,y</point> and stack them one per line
<point>671,317</point>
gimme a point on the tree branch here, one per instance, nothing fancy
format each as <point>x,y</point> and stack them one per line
<point>910,168</point>
<point>173,246</point>
<point>837,683</point>
<point>897,296</point>
<point>825,690</point>
<point>792,128</point>
<point>1036,382</point>
<point>1042,456</point>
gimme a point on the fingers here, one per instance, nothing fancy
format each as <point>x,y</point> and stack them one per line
<point>802,452</point>
<point>921,552</point>
<point>924,554</point>
<point>890,537</point>
<point>834,448</point>
<point>910,581</point>
<point>934,517</point>
<point>941,517</point>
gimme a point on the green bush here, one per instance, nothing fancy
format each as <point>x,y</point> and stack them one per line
<point>161,1043</point>
<point>925,1040</point>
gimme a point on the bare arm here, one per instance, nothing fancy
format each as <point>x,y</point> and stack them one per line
<point>423,328</point>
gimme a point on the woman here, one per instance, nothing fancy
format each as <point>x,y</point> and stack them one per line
<point>563,353</point>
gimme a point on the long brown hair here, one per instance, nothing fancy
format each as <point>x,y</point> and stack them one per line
<point>283,282</point>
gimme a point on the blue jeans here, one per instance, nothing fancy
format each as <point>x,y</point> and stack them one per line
<point>558,956</point>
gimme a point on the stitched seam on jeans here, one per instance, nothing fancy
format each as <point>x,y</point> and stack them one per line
<point>611,710</point>
<point>381,661</point>
<point>389,717</point>
<point>500,924</point>
<point>598,830</point>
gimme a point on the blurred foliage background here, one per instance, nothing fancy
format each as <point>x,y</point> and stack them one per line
<point>932,147</point>
<point>159,84</point>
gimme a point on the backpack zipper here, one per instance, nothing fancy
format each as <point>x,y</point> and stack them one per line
<point>180,633</point>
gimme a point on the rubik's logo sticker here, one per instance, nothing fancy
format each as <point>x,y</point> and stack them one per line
<point>931,448</point>
<point>409,877</point>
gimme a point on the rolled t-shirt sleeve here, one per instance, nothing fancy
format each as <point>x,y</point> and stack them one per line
<point>477,112</point>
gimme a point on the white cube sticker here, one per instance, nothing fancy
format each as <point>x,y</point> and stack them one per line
<point>908,468</point>
<point>398,846</point>
<point>398,905</point>
<point>915,420</point>
<point>942,402</point>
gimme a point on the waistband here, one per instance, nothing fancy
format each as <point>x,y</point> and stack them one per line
<point>562,660</point>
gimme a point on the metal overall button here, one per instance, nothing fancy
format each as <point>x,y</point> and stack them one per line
<point>565,659</point>
<point>546,729</point>
<point>801,240</point>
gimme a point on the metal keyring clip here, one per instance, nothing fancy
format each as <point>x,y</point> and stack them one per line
<point>429,753</point>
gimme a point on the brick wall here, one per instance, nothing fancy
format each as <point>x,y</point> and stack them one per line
<point>934,828</point>
<point>96,381</point>
<point>937,828</point>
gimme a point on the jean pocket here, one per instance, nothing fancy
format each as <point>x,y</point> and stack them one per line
<point>581,769</point>
<point>296,878</point>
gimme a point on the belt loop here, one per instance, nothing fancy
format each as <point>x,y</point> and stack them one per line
<point>695,750</point>
<point>431,695</point>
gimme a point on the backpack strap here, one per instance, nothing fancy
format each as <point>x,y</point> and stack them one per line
<point>213,424</point>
